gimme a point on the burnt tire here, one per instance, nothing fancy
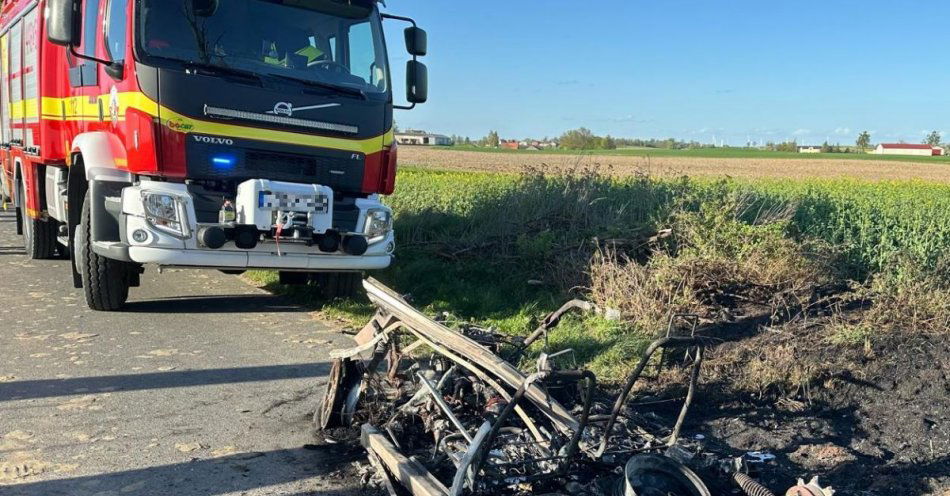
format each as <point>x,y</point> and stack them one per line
<point>105,281</point>
<point>332,285</point>
<point>39,236</point>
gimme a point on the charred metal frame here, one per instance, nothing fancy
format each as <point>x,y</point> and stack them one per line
<point>564,445</point>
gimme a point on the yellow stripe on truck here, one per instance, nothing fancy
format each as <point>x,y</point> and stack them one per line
<point>367,146</point>
<point>80,108</point>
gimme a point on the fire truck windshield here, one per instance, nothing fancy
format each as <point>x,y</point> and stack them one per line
<point>329,42</point>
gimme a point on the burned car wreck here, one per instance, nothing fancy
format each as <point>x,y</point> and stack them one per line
<point>446,412</point>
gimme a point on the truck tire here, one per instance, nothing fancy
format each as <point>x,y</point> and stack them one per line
<point>105,282</point>
<point>39,236</point>
<point>332,285</point>
<point>286,278</point>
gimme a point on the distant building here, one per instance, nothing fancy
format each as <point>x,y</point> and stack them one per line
<point>809,149</point>
<point>422,138</point>
<point>908,149</point>
<point>531,145</point>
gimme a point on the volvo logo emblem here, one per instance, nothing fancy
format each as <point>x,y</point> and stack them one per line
<point>211,140</point>
<point>284,108</point>
<point>288,109</point>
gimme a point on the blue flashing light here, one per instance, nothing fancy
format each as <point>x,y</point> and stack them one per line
<point>225,162</point>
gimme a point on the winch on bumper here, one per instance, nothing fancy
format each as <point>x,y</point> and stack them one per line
<point>271,225</point>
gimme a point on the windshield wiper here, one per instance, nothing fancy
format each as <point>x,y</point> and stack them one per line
<point>330,86</point>
<point>220,69</point>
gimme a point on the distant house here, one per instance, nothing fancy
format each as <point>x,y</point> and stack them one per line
<point>809,149</point>
<point>529,144</point>
<point>422,138</point>
<point>908,149</point>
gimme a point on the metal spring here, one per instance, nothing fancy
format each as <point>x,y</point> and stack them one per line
<point>751,486</point>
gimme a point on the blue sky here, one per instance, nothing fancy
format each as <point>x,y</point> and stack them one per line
<point>690,69</point>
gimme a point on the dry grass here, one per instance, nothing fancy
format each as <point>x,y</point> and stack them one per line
<point>714,260</point>
<point>745,168</point>
<point>913,298</point>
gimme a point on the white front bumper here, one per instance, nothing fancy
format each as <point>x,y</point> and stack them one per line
<point>165,249</point>
<point>252,260</point>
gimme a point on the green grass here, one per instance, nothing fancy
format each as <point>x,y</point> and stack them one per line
<point>740,153</point>
<point>871,223</point>
<point>506,249</point>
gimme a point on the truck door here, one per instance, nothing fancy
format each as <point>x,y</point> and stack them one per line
<point>84,74</point>
<point>16,83</point>
<point>31,81</point>
<point>114,88</point>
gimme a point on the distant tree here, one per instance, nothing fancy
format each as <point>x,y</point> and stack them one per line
<point>492,139</point>
<point>826,148</point>
<point>864,140</point>
<point>787,146</point>
<point>579,139</point>
<point>609,143</point>
<point>934,139</point>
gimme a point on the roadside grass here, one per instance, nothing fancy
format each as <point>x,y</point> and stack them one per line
<point>736,153</point>
<point>506,249</point>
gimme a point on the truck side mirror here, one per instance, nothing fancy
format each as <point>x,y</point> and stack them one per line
<point>62,25</point>
<point>417,82</point>
<point>417,74</point>
<point>417,41</point>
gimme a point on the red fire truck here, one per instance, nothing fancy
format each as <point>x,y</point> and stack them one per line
<point>224,134</point>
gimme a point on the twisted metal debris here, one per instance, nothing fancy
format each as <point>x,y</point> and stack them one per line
<point>443,413</point>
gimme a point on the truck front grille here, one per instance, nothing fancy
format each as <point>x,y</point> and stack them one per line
<point>341,170</point>
<point>281,163</point>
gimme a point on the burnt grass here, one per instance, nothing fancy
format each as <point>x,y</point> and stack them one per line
<point>869,422</point>
<point>873,422</point>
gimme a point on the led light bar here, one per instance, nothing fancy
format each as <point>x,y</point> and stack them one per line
<point>223,113</point>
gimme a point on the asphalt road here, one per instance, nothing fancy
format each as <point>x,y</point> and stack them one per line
<point>203,386</point>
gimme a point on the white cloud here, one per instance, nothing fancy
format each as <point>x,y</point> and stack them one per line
<point>630,118</point>
<point>843,131</point>
<point>801,132</point>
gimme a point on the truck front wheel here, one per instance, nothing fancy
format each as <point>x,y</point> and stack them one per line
<point>105,281</point>
<point>39,236</point>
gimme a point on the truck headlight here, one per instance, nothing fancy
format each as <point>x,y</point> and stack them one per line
<point>379,221</point>
<point>166,213</point>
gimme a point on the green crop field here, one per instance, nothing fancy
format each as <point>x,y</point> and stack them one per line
<point>737,153</point>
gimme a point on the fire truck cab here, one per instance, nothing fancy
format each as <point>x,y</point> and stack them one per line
<point>224,134</point>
